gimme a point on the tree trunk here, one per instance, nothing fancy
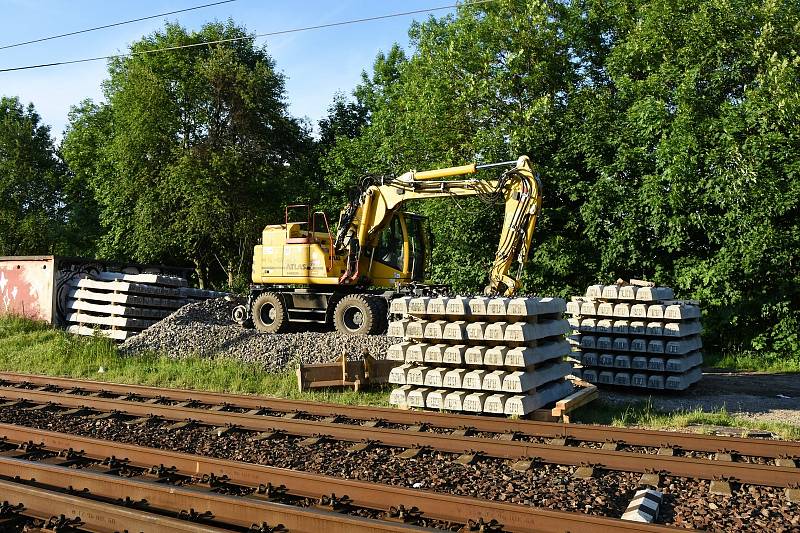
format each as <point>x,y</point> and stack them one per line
<point>201,274</point>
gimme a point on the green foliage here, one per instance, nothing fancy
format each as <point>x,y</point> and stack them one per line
<point>665,133</point>
<point>192,154</point>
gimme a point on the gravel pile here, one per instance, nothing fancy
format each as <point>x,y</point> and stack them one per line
<point>205,329</point>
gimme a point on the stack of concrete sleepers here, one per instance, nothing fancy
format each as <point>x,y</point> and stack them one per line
<point>119,305</point>
<point>636,335</point>
<point>479,354</point>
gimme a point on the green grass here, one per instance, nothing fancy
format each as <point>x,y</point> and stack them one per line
<point>750,362</point>
<point>644,414</point>
<point>32,347</point>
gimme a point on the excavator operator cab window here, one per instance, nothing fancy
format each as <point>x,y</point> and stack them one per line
<point>419,245</point>
<point>390,246</point>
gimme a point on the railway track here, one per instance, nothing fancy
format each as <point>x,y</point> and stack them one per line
<point>532,463</point>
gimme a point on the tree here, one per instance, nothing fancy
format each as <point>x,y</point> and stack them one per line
<point>31,203</point>
<point>193,151</point>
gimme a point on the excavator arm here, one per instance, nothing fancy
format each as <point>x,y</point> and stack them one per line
<point>365,217</point>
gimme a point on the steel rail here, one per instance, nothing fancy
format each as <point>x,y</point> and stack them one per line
<point>233,510</point>
<point>96,516</point>
<point>439,506</point>
<point>505,449</point>
<point>636,437</point>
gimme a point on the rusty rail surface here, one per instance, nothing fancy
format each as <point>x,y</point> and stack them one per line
<point>636,437</point>
<point>757,474</point>
<point>439,506</point>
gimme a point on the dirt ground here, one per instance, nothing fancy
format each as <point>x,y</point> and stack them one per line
<point>757,396</point>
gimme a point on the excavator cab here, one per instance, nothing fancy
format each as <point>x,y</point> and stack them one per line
<point>401,251</point>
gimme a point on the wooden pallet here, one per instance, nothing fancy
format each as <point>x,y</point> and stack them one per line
<point>343,373</point>
<point>585,394</point>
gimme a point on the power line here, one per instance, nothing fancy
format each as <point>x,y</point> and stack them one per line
<point>122,23</point>
<point>234,39</point>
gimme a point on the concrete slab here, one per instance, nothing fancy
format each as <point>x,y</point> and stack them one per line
<point>587,325</point>
<point>590,375</point>
<point>398,396</point>
<point>604,343</point>
<point>399,306</point>
<point>418,396</point>
<point>628,292</point>
<point>655,346</point>
<point>495,404</point>
<point>458,307</point>
<point>495,331</point>
<point>80,317</point>
<point>639,345</point>
<point>682,329</point>
<point>685,363</point>
<point>622,361</point>
<point>435,377</point>
<point>605,309</point>
<point>475,330</point>
<point>455,331</point>
<point>683,346</point>
<point>127,287</point>
<point>454,355</point>
<point>152,279</point>
<point>682,312</point>
<point>684,381</point>
<point>435,329</point>
<point>435,399</point>
<point>589,308</point>
<point>478,305</point>
<point>589,358</point>
<point>656,364</point>
<point>116,334</point>
<point>435,353</point>
<point>655,328</point>
<point>437,307</point>
<point>655,382</point>
<point>454,378</point>
<point>497,308</point>
<point>639,380</point>
<point>611,292</point>
<point>454,401</point>
<point>124,298</point>
<point>495,356</point>
<point>109,309</point>
<point>397,352</point>
<point>493,381</point>
<point>523,404</point>
<point>622,378</point>
<point>650,294</point>
<point>397,328</point>
<point>416,352</point>
<point>517,382</point>
<point>474,355</point>
<point>522,357</point>
<point>595,291</point>
<point>473,379</point>
<point>606,359</point>
<point>604,326</point>
<point>574,323</point>
<point>525,332</point>
<point>656,310</point>
<point>574,305</point>
<point>622,310</point>
<point>419,306</point>
<point>639,363</point>
<point>473,403</point>
<point>623,344</point>
<point>535,306</point>
<point>638,311</point>
<point>398,374</point>
<point>637,327</point>
<point>416,375</point>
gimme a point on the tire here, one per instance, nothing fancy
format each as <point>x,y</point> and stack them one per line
<point>269,313</point>
<point>358,314</point>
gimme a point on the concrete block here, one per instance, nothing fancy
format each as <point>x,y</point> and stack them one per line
<point>415,329</point>
<point>637,327</point>
<point>684,345</point>
<point>639,363</point>
<point>622,344</point>
<point>523,381</point>
<point>80,317</point>
<point>622,310</point>
<point>434,353</point>
<point>606,377</point>
<point>478,306</point>
<point>454,401</point>
<point>628,292</point>
<point>684,381</point>
<point>495,331</point>
<point>419,306</point>
<point>574,323</point>
<point>116,334</point>
<point>588,341</point>
<point>495,404</point>
<point>397,352</point>
<point>473,403</point>
<point>398,374</point>
<point>606,359</point>
<point>416,352</point>
<point>497,308</point>
<point>574,306</point>
<point>437,307</point>
<point>435,399</point>
<point>124,298</point>
<point>590,375</point>
<point>417,397</point>
<point>651,294</point>
<point>655,328</point>
<point>495,356</point>
<point>109,309</point>
<point>416,375</point>
<point>604,343</point>
<point>595,291</point>
<point>435,329</point>
<point>682,329</point>
<point>621,327</point>
<point>587,325</point>
<point>454,378</point>
<point>644,506</point>
<point>399,306</point>
<point>656,310</point>
<point>589,359</point>
<point>655,381</point>
<point>398,396</point>
<point>493,381</point>
<point>638,311</point>
<point>681,311</point>
<point>150,279</point>
<point>589,308</point>
<point>639,345</point>
<point>639,380</point>
<point>473,379</point>
<point>656,364</point>
<point>655,346</point>
<point>397,328</point>
<point>687,362</point>
<point>525,332</point>
<point>455,331</point>
<point>605,309</point>
<point>523,404</point>
<point>454,355</point>
<point>435,377</point>
<point>474,355</point>
<point>519,308</point>
<point>622,378</point>
<point>127,287</point>
<point>475,330</point>
<point>622,361</point>
<point>604,326</point>
<point>458,307</point>
<point>525,357</point>
<point>611,292</point>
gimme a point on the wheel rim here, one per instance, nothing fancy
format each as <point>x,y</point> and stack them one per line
<point>353,318</point>
<point>267,314</point>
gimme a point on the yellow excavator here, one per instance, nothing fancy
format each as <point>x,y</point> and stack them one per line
<point>303,275</point>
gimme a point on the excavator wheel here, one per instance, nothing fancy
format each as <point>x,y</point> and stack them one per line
<point>359,314</point>
<point>269,313</point>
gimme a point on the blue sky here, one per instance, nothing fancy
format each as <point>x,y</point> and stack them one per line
<point>316,63</point>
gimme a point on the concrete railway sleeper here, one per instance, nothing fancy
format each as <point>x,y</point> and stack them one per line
<point>268,426</point>
<point>570,433</point>
<point>394,503</point>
